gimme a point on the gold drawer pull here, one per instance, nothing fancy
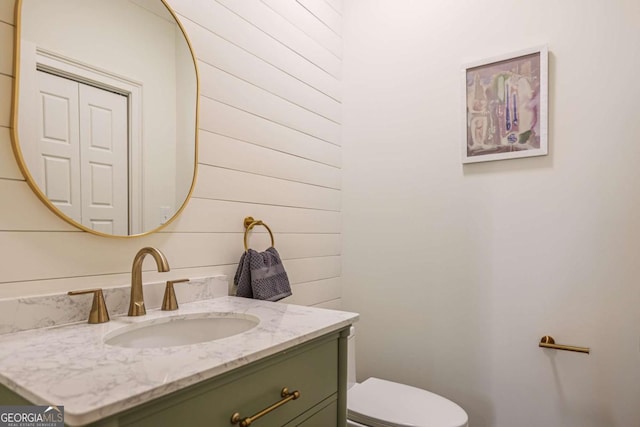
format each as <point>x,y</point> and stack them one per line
<point>236,418</point>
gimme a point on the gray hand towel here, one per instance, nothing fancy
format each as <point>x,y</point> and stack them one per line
<point>242,279</point>
<point>261,275</point>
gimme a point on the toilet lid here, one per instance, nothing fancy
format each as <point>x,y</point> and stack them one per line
<point>381,403</point>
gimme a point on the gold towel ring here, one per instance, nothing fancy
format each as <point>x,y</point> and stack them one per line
<point>249,223</point>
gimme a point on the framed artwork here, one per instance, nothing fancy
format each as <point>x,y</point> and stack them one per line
<point>505,106</point>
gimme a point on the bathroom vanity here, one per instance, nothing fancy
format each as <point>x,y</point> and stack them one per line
<point>103,381</point>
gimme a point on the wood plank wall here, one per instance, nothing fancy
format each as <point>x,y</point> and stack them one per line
<point>269,147</point>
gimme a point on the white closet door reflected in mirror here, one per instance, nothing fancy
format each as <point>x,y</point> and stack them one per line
<point>82,152</point>
<point>105,129</point>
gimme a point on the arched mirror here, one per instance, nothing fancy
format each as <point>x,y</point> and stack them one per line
<point>105,112</point>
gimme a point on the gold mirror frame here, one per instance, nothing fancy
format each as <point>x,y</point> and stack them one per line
<point>18,152</point>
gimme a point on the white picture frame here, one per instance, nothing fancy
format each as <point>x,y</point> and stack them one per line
<point>505,106</point>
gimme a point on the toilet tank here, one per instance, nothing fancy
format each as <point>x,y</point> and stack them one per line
<point>351,358</point>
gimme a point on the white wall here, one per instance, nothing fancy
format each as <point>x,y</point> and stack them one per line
<point>269,147</point>
<point>458,271</point>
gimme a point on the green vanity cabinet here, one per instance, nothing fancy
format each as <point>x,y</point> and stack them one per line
<point>317,369</point>
<point>311,368</point>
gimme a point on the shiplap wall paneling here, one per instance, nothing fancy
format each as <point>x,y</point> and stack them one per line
<point>228,89</point>
<point>304,270</point>
<point>6,83</point>
<point>207,215</point>
<point>311,269</point>
<point>245,157</point>
<point>325,12</point>
<point>218,52</point>
<point>311,275</point>
<point>6,11</point>
<point>22,201</point>
<point>204,249</point>
<point>238,31</point>
<point>331,305</point>
<point>8,165</point>
<point>266,19</point>
<point>246,187</point>
<point>336,5</point>
<point>270,135</point>
<point>296,245</point>
<point>225,120</point>
<point>314,292</point>
<point>296,14</point>
<point>6,45</point>
<point>300,271</point>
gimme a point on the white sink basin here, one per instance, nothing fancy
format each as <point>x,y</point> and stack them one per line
<point>177,331</point>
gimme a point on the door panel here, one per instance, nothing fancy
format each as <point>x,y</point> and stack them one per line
<point>103,136</point>
<point>58,143</point>
<point>57,180</point>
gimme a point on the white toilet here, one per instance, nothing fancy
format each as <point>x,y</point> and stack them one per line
<point>381,403</point>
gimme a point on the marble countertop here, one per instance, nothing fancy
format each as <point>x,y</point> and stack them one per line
<point>72,366</point>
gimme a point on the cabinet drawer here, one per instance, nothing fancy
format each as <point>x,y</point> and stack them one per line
<point>312,370</point>
<point>324,417</point>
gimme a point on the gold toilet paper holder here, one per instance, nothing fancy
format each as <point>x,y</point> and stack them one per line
<point>547,341</point>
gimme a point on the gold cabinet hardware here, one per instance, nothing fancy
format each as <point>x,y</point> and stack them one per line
<point>246,422</point>
<point>249,223</point>
<point>548,342</point>
<point>169,302</point>
<point>98,313</point>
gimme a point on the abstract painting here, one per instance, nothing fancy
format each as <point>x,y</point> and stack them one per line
<point>505,103</point>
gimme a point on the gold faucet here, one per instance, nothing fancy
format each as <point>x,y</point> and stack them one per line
<point>136,302</point>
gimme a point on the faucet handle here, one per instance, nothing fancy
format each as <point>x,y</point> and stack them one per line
<point>170,303</point>
<point>98,313</point>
